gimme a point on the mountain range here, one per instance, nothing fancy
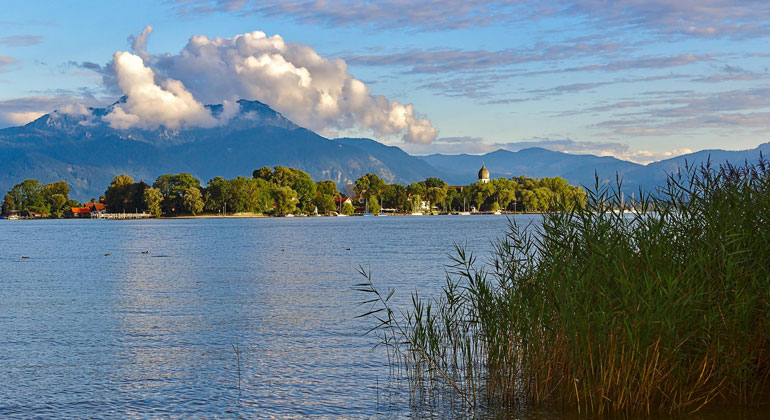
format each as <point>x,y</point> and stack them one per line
<point>85,151</point>
<point>583,169</point>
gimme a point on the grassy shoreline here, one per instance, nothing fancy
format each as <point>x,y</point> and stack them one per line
<point>663,310</point>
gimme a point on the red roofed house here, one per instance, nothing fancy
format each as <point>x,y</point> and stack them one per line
<point>80,211</point>
<point>87,209</point>
<point>96,206</point>
<point>341,200</point>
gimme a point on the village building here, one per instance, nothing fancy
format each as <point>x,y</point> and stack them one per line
<point>89,209</point>
<point>339,201</point>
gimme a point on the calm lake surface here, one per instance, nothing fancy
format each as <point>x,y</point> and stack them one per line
<point>151,335</point>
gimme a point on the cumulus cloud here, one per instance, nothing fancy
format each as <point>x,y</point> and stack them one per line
<point>149,105</point>
<point>294,79</point>
<point>139,43</point>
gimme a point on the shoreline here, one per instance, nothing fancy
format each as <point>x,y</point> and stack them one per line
<point>266,216</point>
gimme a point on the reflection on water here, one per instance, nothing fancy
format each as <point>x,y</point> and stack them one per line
<point>137,335</point>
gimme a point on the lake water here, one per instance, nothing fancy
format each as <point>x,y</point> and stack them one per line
<point>148,331</point>
<point>150,334</point>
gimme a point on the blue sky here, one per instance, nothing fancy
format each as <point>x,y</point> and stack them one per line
<point>640,80</point>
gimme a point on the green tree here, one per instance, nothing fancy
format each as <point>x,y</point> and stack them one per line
<point>416,188</point>
<point>119,195</point>
<point>362,185</point>
<point>137,196</point>
<point>558,185</point>
<point>327,187</point>
<point>505,197</point>
<point>283,176</point>
<point>305,188</point>
<point>264,194</point>
<point>394,196</point>
<point>9,204</point>
<point>479,193</point>
<point>529,200</point>
<point>263,173</point>
<point>324,203</point>
<point>217,194</point>
<point>545,198</point>
<point>54,188</point>
<point>369,185</point>
<point>28,195</point>
<point>57,202</point>
<point>453,199</point>
<point>416,202</point>
<point>153,198</point>
<point>374,205</point>
<point>435,195</point>
<point>347,208</point>
<point>297,180</point>
<point>285,200</point>
<point>242,194</point>
<point>192,200</point>
<point>173,189</point>
<point>434,182</point>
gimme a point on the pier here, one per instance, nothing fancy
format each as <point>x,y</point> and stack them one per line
<point>120,216</point>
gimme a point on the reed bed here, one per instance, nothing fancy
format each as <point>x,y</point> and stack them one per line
<point>662,309</point>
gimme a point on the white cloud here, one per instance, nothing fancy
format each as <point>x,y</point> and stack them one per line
<point>139,43</point>
<point>21,118</point>
<point>149,105</point>
<point>314,91</point>
<point>19,111</point>
<point>645,157</point>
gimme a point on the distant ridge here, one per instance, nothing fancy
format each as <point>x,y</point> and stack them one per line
<point>86,152</point>
<point>582,169</point>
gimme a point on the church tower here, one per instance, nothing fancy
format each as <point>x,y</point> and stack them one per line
<point>483,174</point>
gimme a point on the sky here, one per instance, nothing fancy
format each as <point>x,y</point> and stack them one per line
<point>642,80</point>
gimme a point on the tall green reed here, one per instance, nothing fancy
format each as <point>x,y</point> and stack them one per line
<point>663,308</point>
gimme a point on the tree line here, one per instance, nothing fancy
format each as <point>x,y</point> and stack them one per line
<point>50,200</point>
<point>507,194</point>
<point>281,190</point>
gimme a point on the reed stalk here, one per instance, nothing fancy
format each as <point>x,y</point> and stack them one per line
<point>664,309</point>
